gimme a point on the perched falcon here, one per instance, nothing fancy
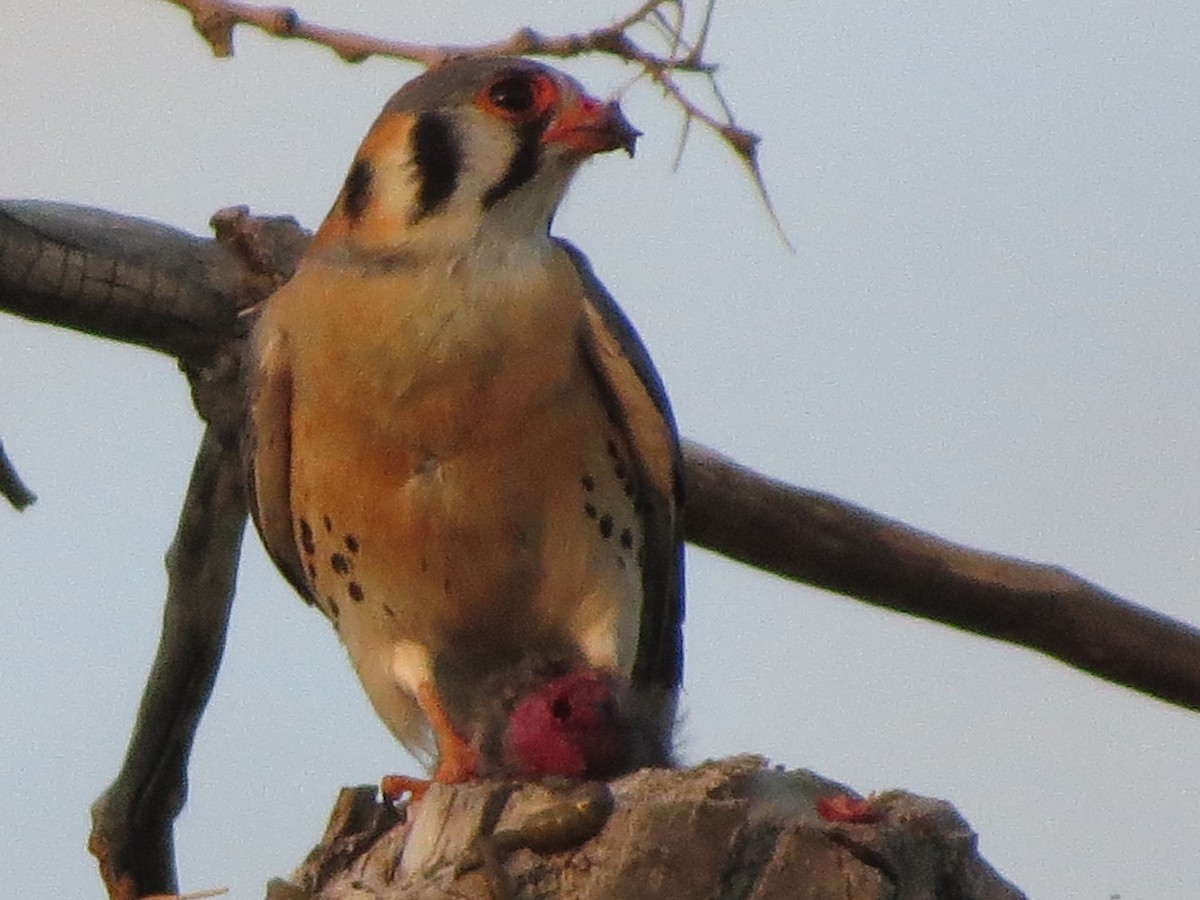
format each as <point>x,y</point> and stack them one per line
<point>458,448</point>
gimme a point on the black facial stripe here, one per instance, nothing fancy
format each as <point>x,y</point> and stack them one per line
<point>438,156</point>
<point>522,167</point>
<point>357,189</point>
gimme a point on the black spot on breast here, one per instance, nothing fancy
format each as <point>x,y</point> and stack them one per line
<point>356,192</point>
<point>333,607</point>
<point>589,510</point>
<point>619,470</point>
<point>626,538</point>
<point>327,522</point>
<point>588,482</point>
<point>613,451</point>
<point>437,154</point>
<point>521,168</point>
<point>312,573</point>
<point>351,543</point>
<point>306,538</point>
<point>606,526</point>
<point>340,563</point>
<point>354,589</point>
<point>391,613</point>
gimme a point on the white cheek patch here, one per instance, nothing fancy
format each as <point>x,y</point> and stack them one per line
<point>395,185</point>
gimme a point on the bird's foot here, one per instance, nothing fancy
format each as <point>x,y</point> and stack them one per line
<point>457,762</point>
<point>393,787</point>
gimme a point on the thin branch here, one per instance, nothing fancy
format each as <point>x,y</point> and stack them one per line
<point>215,21</point>
<point>705,26</point>
<point>827,542</point>
<point>12,488</point>
<point>132,820</point>
<point>671,31</point>
<point>743,142</point>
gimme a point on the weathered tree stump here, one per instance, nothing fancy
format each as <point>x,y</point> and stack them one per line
<point>734,829</point>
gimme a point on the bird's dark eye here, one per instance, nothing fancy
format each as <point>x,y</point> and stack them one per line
<point>514,94</point>
<point>518,96</point>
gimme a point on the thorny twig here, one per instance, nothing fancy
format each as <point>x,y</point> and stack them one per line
<point>215,21</point>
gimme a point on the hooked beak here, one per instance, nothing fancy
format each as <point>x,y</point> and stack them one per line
<point>589,127</point>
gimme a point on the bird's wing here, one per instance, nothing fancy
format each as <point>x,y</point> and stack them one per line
<point>633,392</point>
<point>267,451</point>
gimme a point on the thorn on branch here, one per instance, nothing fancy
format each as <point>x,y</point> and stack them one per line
<point>609,40</point>
<point>745,143</point>
<point>12,488</point>
<point>353,57</point>
<point>524,40</point>
<point>216,27</point>
<point>284,22</point>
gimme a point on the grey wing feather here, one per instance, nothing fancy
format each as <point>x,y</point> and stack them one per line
<point>659,659</point>
<point>266,452</point>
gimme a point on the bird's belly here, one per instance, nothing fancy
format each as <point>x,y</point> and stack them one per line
<point>482,521</point>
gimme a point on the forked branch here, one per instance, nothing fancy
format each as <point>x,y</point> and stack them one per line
<point>215,20</point>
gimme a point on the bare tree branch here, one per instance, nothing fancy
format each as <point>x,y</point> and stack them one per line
<point>132,280</point>
<point>215,21</point>
<point>115,276</point>
<point>798,534</point>
<point>827,542</point>
<point>12,488</point>
<point>133,820</point>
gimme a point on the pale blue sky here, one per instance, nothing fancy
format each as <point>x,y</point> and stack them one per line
<point>988,330</point>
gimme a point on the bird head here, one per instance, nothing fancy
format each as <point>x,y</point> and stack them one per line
<point>473,150</point>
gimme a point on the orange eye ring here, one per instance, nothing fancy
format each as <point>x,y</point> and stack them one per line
<point>518,96</point>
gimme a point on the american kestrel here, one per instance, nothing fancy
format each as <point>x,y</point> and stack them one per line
<point>458,448</point>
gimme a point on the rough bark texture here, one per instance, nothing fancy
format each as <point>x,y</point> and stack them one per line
<point>735,829</point>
